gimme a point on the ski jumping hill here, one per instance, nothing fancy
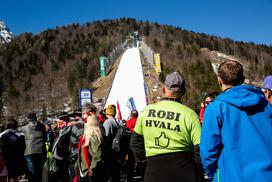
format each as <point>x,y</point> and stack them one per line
<point>128,88</point>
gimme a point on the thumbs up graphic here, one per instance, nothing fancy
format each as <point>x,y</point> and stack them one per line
<point>162,140</point>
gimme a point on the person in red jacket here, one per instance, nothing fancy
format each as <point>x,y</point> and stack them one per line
<point>132,121</point>
<point>102,116</point>
<point>131,159</point>
<point>207,100</point>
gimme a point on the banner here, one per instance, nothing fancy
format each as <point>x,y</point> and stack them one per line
<point>102,66</point>
<point>157,61</point>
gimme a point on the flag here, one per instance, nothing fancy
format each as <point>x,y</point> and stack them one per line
<point>131,104</point>
<point>119,111</point>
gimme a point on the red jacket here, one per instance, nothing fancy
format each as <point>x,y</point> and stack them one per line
<point>101,118</point>
<point>131,123</point>
<point>201,114</point>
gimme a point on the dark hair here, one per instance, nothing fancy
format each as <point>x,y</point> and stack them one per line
<point>134,113</point>
<point>103,114</point>
<point>89,107</point>
<point>11,124</point>
<point>211,95</point>
<point>32,117</point>
<point>64,116</point>
<point>231,73</point>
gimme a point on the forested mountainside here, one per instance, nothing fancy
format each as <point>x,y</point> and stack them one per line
<point>48,69</point>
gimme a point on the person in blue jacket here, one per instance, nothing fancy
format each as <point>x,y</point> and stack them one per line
<point>236,142</point>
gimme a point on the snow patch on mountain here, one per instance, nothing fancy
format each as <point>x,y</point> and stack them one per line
<point>5,34</point>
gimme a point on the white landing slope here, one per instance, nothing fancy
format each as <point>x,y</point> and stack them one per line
<point>128,82</point>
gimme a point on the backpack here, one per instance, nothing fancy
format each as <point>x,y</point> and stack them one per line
<point>121,139</point>
<point>60,152</point>
<point>61,146</point>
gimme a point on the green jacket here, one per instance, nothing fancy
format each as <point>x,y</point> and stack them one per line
<point>95,155</point>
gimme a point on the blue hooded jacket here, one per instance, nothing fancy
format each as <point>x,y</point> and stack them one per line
<point>236,139</point>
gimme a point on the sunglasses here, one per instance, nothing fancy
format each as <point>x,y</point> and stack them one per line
<point>208,102</point>
<point>264,89</point>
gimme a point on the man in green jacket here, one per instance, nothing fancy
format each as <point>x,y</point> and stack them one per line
<point>166,134</point>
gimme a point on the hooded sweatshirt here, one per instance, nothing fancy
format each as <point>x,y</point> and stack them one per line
<point>236,142</point>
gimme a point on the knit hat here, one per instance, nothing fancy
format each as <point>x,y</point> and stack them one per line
<point>111,110</point>
<point>268,82</point>
<point>175,82</point>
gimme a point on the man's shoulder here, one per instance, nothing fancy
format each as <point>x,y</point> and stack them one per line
<point>19,133</point>
<point>24,127</point>
<point>78,125</point>
<point>133,119</point>
<point>179,107</point>
<point>215,109</point>
<point>169,106</point>
<point>158,105</point>
<point>108,121</point>
<point>12,134</point>
<point>4,133</point>
<point>149,106</point>
<point>77,128</point>
<point>215,105</point>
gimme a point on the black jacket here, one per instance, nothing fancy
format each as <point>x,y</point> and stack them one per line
<point>174,167</point>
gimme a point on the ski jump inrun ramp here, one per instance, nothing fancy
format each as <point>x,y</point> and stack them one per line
<point>128,85</point>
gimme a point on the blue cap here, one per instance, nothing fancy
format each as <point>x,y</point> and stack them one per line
<point>268,82</point>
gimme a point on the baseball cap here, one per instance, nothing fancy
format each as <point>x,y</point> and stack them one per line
<point>175,82</point>
<point>267,84</point>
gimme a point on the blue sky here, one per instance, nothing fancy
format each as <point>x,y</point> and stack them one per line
<point>245,20</point>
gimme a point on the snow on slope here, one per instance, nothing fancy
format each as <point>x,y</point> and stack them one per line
<point>5,34</point>
<point>128,82</point>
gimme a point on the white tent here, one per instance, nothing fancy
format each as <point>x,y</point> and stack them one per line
<point>128,83</point>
